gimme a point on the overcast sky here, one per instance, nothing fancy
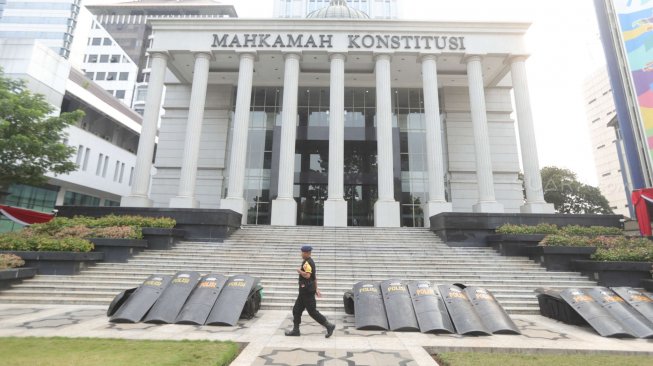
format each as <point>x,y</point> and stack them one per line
<point>565,48</point>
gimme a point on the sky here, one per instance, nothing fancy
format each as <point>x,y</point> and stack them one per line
<point>565,49</point>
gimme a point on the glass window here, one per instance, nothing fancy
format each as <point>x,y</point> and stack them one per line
<point>123,76</point>
<point>104,59</point>
<point>115,59</point>
<point>96,41</point>
<point>92,58</point>
<point>107,42</point>
<point>112,75</point>
<point>100,75</point>
<point>120,94</point>
<point>90,75</point>
<point>79,199</point>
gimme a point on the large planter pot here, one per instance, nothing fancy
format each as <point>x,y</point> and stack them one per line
<point>615,274</point>
<point>118,250</point>
<point>58,263</point>
<point>162,239</point>
<point>13,275</point>
<point>514,244</point>
<point>560,258</point>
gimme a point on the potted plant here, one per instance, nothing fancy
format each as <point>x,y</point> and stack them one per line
<point>619,261</point>
<point>12,270</point>
<point>556,252</point>
<point>515,240</point>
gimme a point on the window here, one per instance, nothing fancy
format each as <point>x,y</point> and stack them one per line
<point>86,155</point>
<point>122,172</point>
<point>90,75</point>
<point>606,174</point>
<point>112,75</point>
<point>592,101</point>
<point>79,199</point>
<point>104,167</point>
<point>115,59</point>
<point>596,120</point>
<point>98,169</point>
<point>600,147</point>
<point>107,42</point>
<point>100,75</point>
<point>123,76</point>
<point>116,170</point>
<point>96,41</point>
<point>92,58</point>
<point>131,176</point>
<point>120,94</point>
<point>104,59</point>
<point>80,152</point>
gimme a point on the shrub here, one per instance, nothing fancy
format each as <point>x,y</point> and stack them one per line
<point>527,229</point>
<point>566,241</point>
<point>624,249</point>
<point>591,231</point>
<point>138,221</point>
<point>10,261</point>
<point>118,232</point>
<point>16,242</point>
<point>78,231</point>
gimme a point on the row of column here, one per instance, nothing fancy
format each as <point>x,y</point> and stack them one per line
<point>386,209</point>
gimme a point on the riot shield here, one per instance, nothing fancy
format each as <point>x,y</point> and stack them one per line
<point>368,306</point>
<point>637,299</point>
<point>120,299</point>
<point>231,300</point>
<point>201,300</point>
<point>594,313</point>
<point>398,306</point>
<point>140,302</point>
<point>462,311</point>
<point>348,302</point>
<point>169,304</point>
<point>431,313</point>
<point>625,314</point>
<point>490,311</point>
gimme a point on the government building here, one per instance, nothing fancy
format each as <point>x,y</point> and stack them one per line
<point>338,119</point>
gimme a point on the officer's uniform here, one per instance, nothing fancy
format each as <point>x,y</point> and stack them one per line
<point>306,296</point>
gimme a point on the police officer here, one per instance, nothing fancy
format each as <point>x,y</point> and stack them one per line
<point>306,297</point>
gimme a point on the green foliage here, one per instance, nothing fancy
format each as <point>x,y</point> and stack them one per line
<point>138,222</point>
<point>32,138</point>
<point>568,195</point>
<point>608,248</point>
<point>10,261</point>
<point>17,241</point>
<point>527,229</point>
<point>591,230</point>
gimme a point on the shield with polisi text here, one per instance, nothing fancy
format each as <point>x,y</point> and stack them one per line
<point>620,310</point>
<point>140,302</point>
<point>490,311</point>
<point>594,313</point>
<point>637,299</point>
<point>431,313</point>
<point>368,306</point>
<point>169,304</point>
<point>462,312</point>
<point>231,300</point>
<point>201,300</point>
<point>399,306</point>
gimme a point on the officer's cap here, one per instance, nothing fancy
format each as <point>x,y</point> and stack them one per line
<point>307,248</point>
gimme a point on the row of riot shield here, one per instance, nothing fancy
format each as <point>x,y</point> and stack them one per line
<point>188,298</point>
<point>612,312</point>
<point>420,306</point>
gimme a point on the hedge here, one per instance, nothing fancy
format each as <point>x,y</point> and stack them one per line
<point>8,261</point>
<point>549,229</point>
<point>21,242</point>
<point>609,248</point>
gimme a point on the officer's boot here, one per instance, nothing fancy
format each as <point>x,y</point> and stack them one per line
<point>330,327</point>
<point>294,332</point>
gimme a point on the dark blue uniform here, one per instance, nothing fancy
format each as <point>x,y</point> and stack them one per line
<point>306,296</point>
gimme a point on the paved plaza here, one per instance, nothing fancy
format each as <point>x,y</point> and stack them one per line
<point>265,343</point>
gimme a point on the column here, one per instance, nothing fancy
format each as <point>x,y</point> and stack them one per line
<point>532,179</point>
<point>141,183</point>
<point>386,209</point>
<point>284,207</point>
<point>335,207</point>
<point>434,155</point>
<point>487,201</point>
<point>237,156</point>
<point>186,194</point>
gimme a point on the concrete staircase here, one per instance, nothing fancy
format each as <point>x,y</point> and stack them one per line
<point>343,257</point>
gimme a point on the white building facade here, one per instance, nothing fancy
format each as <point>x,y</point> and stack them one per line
<point>52,22</point>
<point>600,110</point>
<point>349,122</point>
<point>108,65</point>
<point>376,9</point>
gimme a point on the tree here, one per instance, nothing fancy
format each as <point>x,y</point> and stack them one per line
<point>568,195</point>
<point>31,137</point>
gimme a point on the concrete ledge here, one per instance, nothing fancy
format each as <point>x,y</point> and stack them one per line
<point>198,223</point>
<point>470,229</point>
<point>15,275</point>
<point>58,263</point>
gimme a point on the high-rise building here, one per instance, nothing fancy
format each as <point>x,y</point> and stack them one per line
<point>106,63</point>
<point>601,116</point>
<point>51,22</point>
<point>376,9</point>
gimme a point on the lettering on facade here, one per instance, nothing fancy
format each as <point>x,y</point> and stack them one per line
<point>354,41</point>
